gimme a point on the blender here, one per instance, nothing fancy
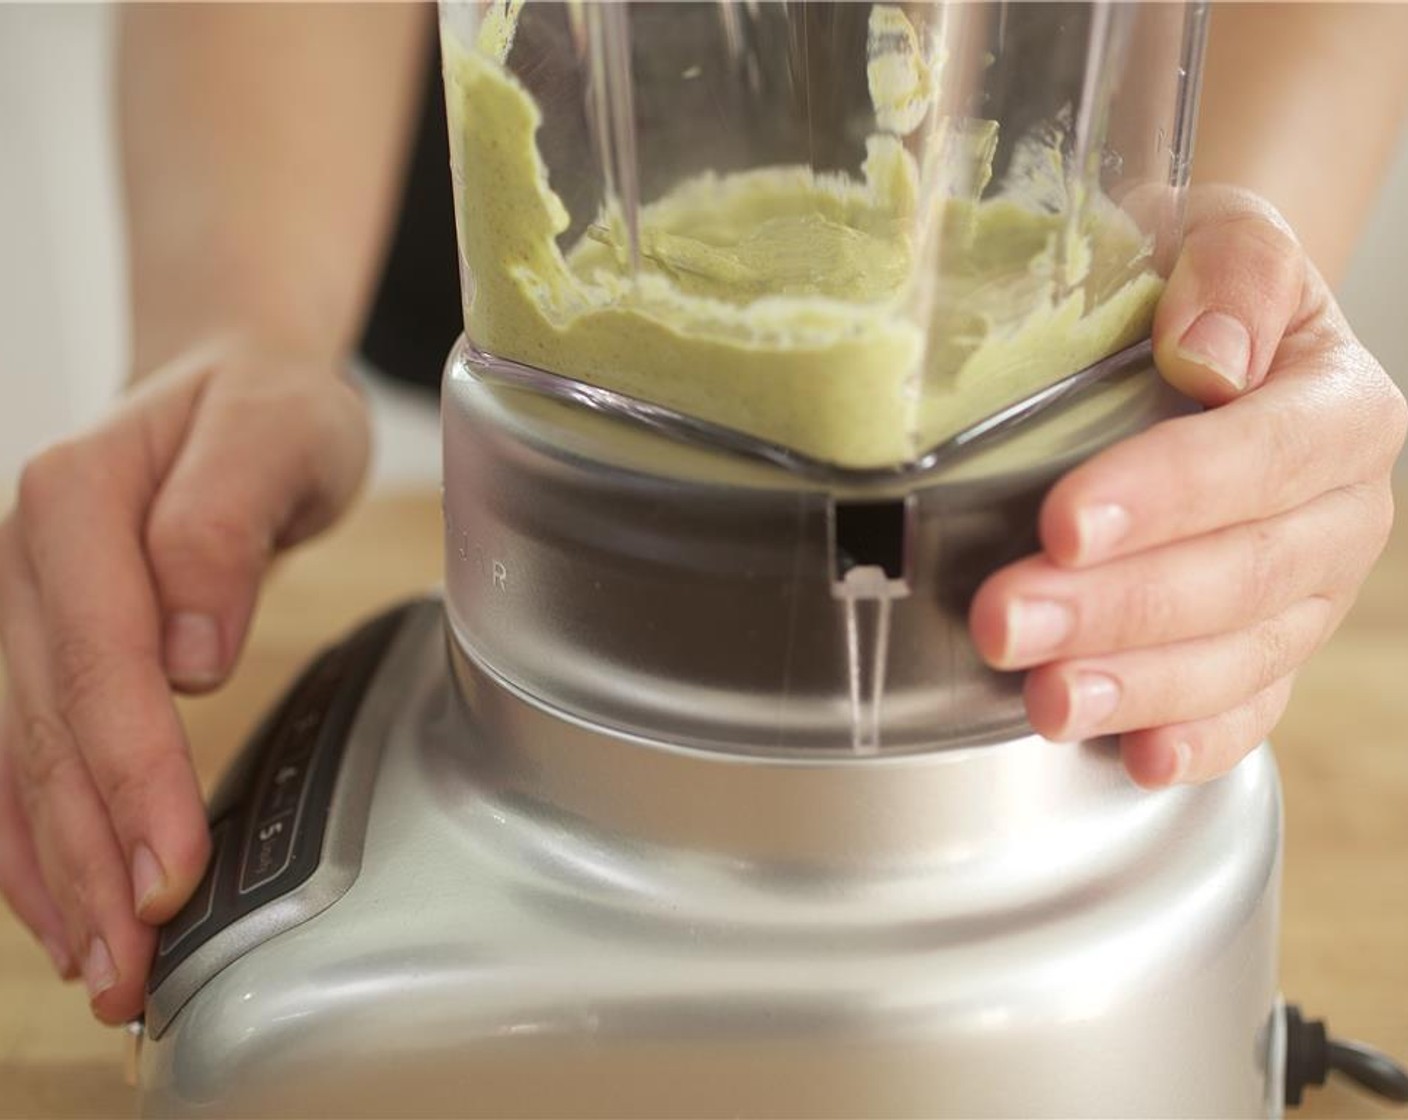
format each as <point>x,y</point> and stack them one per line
<point>691,795</point>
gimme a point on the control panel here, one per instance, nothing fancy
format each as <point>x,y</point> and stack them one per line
<point>270,817</point>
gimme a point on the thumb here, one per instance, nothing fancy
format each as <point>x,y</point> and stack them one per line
<point>1240,283</point>
<point>261,468</point>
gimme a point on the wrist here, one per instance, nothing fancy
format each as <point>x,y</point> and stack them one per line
<point>157,346</point>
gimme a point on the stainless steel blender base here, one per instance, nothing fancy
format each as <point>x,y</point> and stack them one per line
<point>547,918</point>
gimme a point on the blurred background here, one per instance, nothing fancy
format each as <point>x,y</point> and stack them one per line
<point>62,300</point>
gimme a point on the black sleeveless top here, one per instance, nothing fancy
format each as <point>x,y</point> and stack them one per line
<point>415,316</point>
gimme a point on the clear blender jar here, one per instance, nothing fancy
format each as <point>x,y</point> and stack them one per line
<point>812,244</point>
<point>842,231</point>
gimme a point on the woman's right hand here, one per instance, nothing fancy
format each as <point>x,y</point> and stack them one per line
<point>129,568</point>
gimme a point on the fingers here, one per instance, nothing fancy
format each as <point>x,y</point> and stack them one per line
<point>1204,749</point>
<point>83,868</point>
<point>1177,683</point>
<point>1240,281</point>
<point>1036,611</point>
<point>1329,422</point>
<point>1324,415</point>
<point>1187,572</point>
<point>131,564</point>
<point>173,596</point>
<point>216,521</point>
<point>76,851</point>
<point>1183,648</point>
<point>99,682</point>
<point>21,881</point>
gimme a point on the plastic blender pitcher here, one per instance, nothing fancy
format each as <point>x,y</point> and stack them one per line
<point>843,230</point>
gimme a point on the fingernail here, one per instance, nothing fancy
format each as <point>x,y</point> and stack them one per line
<point>1036,627</point>
<point>1220,343</point>
<point>1094,698</point>
<point>98,972</point>
<point>1182,757</point>
<point>59,954</point>
<point>192,648</point>
<point>147,877</point>
<point>1100,529</point>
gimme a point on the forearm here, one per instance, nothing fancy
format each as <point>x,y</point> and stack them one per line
<point>262,153</point>
<point>1303,104</point>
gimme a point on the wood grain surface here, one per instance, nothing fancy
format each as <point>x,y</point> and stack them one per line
<point>1343,749</point>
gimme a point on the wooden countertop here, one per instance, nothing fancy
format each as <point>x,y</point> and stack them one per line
<point>1343,749</point>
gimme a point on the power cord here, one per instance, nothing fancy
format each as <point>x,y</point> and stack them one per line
<point>1312,1055</point>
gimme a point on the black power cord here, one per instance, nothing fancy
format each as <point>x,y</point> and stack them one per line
<point>1312,1055</point>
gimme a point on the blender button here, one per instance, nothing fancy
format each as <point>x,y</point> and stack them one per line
<point>308,723</point>
<point>199,906</point>
<point>268,851</point>
<point>284,789</point>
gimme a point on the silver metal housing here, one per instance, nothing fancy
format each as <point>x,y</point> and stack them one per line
<point>554,921</point>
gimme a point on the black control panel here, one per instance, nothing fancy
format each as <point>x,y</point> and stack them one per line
<point>269,817</point>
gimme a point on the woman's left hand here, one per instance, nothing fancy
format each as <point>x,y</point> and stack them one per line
<point>1188,572</point>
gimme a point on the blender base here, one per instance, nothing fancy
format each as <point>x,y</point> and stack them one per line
<point>476,906</point>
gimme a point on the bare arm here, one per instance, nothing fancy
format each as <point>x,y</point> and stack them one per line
<point>262,146</point>
<point>1304,104</point>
